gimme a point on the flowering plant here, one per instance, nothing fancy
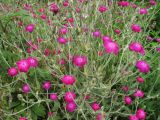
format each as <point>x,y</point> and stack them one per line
<point>79,59</point>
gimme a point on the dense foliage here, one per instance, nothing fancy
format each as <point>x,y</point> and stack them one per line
<point>79,60</point>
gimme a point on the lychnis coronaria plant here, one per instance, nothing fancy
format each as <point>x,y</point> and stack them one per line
<point>79,60</point>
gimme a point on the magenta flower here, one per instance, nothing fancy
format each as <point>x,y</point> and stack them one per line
<point>96,33</point>
<point>81,1</point>
<point>133,117</point>
<point>46,85</point>
<point>47,52</point>
<point>28,50</point>
<point>123,3</point>
<point>95,106</point>
<point>142,66</point>
<point>87,97</point>
<point>62,40</point>
<point>23,65</point>
<point>34,47</point>
<point>153,2</point>
<point>102,8</point>
<point>141,114</point>
<point>41,10</point>
<point>26,88</point>
<point>20,23</point>
<point>106,39</point>
<point>27,7</point>
<point>111,47</point>
<point>149,38</point>
<point>127,100</point>
<point>137,47</point>
<point>53,96</point>
<point>54,8</point>
<point>50,114</point>
<point>12,71</point>
<point>139,93</point>
<point>71,106</point>
<point>158,49</point>
<point>78,10</point>
<point>33,62</point>
<point>70,20</point>
<point>140,79</point>
<point>133,5</point>
<point>69,96</point>
<point>68,79</point>
<point>125,88</point>
<point>61,61</point>
<point>63,30</point>
<point>65,3</point>
<point>143,11</point>
<point>117,31</point>
<point>158,40</point>
<point>30,28</point>
<point>79,61</point>
<point>43,16</point>
<point>99,116</point>
<point>136,28</point>
<point>23,118</point>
